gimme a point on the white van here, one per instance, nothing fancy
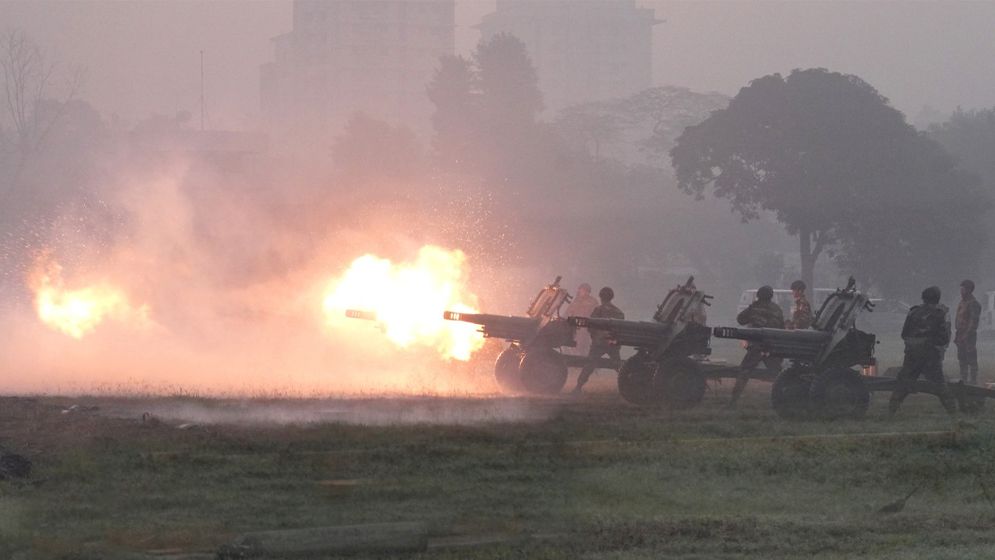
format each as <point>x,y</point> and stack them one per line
<point>785,299</point>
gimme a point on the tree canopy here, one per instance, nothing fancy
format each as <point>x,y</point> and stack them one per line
<point>827,155</point>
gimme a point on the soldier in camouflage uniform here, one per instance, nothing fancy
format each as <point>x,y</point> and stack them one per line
<point>966,333</point>
<point>762,313</point>
<point>926,334</point>
<point>801,313</point>
<point>601,344</point>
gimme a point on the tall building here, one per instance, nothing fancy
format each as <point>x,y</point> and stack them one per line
<point>583,51</point>
<point>343,56</point>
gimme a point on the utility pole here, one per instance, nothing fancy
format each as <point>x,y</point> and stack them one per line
<point>201,90</point>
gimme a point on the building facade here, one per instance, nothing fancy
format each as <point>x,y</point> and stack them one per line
<point>344,56</point>
<point>583,51</point>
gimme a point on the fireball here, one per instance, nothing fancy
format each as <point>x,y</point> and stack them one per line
<point>79,311</point>
<point>408,300</point>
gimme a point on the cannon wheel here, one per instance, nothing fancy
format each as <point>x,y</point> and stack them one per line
<point>507,371</point>
<point>840,393</point>
<point>543,371</point>
<point>679,384</point>
<point>635,380</point>
<point>790,394</point>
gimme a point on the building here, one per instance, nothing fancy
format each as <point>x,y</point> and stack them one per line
<point>583,51</point>
<point>343,56</point>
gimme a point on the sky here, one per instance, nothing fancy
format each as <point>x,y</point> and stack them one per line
<point>143,57</point>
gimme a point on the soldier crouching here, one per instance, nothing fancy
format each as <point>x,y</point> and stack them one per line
<point>926,333</point>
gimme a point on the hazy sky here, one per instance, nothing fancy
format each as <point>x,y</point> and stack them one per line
<point>143,57</point>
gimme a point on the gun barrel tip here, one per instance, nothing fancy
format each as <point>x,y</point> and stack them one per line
<point>361,314</point>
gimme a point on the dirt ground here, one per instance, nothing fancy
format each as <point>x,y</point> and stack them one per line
<point>587,477</point>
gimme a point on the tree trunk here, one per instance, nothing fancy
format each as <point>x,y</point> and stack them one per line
<point>807,257</point>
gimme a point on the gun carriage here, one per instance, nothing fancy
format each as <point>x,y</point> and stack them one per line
<point>532,361</point>
<point>661,372</point>
<point>820,379</point>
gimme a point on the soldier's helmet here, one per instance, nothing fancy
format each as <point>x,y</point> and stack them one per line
<point>931,295</point>
<point>765,293</point>
<point>585,287</point>
<point>798,285</point>
<point>969,284</point>
<point>606,293</point>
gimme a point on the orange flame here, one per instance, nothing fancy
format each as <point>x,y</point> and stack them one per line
<point>409,298</point>
<point>77,312</point>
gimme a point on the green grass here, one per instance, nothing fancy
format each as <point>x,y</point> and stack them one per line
<point>607,480</point>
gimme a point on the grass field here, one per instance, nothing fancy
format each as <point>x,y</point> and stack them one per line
<point>590,477</point>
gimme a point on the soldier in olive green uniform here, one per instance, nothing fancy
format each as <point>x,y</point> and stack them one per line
<point>762,313</point>
<point>966,332</point>
<point>926,334</point>
<point>601,344</point>
<point>801,313</point>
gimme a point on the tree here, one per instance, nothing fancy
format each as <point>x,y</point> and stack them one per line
<point>509,85</point>
<point>453,92</point>
<point>970,137</point>
<point>826,154</point>
<point>27,82</point>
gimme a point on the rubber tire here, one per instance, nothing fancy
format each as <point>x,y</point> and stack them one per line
<point>790,394</point>
<point>543,371</point>
<point>840,393</point>
<point>678,384</point>
<point>636,380</point>
<point>507,369</point>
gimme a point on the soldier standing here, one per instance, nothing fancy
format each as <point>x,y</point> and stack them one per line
<point>966,332</point>
<point>762,313</point>
<point>601,344</point>
<point>926,334</point>
<point>801,313</point>
<point>582,306</point>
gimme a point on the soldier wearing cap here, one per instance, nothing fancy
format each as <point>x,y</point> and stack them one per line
<point>762,313</point>
<point>801,312</point>
<point>601,344</point>
<point>926,333</point>
<point>966,332</point>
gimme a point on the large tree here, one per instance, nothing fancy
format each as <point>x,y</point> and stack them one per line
<point>831,159</point>
<point>453,91</point>
<point>970,137</point>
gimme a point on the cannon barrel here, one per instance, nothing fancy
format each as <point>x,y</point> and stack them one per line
<point>640,334</point>
<point>497,326</point>
<point>360,314</point>
<point>804,344</point>
<point>760,334</point>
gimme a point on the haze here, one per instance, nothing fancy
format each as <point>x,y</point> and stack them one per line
<point>143,57</point>
<point>223,254</point>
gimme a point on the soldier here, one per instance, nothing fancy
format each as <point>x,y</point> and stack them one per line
<point>582,306</point>
<point>600,342</point>
<point>926,334</point>
<point>762,313</point>
<point>801,313</point>
<point>966,333</point>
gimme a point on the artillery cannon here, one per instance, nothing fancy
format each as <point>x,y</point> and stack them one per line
<point>820,379</point>
<point>532,361</point>
<point>661,371</point>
